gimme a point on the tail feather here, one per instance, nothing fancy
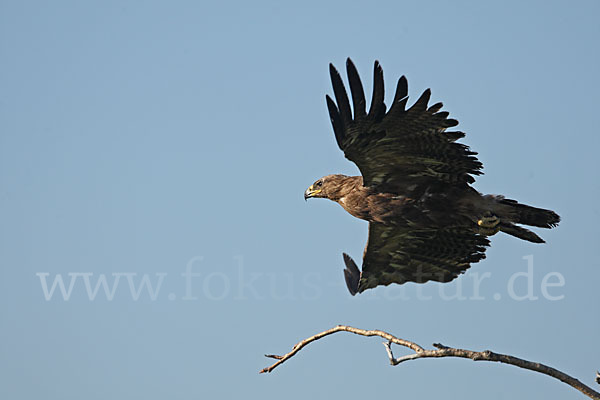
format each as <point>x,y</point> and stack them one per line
<point>520,232</point>
<point>532,216</point>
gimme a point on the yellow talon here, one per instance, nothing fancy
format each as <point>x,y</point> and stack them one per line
<point>488,222</point>
<point>488,225</point>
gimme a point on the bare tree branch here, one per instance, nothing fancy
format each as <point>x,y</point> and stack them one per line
<point>441,351</point>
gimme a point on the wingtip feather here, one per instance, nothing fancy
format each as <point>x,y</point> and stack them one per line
<point>356,88</point>
<point>377,109</point>
<point>341,97</point>
<point>351,274</point>
<point>336,121</point>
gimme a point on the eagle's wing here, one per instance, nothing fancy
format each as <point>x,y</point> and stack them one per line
<point>396,254</point>
<point>403,150</point>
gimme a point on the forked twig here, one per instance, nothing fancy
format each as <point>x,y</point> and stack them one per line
<point>440,351</point>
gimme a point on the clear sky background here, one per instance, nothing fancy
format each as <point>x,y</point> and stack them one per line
<point>140,138</point>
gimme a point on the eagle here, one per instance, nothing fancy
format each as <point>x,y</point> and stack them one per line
<point>426,221</point>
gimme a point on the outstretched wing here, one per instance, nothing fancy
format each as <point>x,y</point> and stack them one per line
<point>396,254</point>
<point>401,151</point>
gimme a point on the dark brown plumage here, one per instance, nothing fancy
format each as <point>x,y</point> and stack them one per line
<point>425,220</point>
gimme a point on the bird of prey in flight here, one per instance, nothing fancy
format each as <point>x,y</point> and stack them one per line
<point>426,221</point>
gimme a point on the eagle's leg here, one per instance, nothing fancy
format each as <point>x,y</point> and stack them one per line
<point>489,224</point>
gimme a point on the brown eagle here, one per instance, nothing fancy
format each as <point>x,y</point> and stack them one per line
<point>426,222</point>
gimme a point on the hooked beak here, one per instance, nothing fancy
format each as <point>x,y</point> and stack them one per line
<point>310,192</point>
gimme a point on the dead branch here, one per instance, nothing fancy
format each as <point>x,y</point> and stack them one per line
<point>440,351</point>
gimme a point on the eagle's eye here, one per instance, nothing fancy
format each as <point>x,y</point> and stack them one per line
<point>319,183</point>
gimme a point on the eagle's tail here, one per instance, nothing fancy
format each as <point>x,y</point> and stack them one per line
<point>532,216</point>
<point>527,215</point>
<point>520,232</point>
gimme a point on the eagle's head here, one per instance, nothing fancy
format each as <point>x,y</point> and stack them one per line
<point>327,187</point>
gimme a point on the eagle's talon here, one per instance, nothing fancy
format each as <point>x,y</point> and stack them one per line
<point>489,224</point>
<point>488,221</point>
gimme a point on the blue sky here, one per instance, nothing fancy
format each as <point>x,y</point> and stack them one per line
<point>141,140</point>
